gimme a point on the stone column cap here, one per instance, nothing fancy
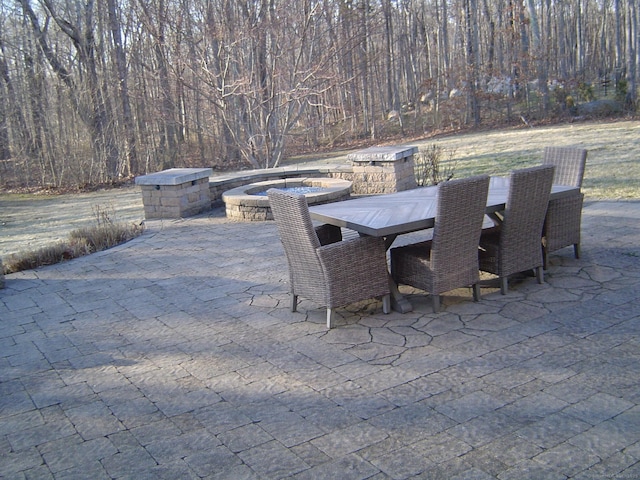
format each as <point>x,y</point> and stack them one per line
<point>383,154</point>
<point>174,176</point>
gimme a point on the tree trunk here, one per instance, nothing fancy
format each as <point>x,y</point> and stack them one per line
<point>471,14</point>
<point>169,143</point>
<point>580,50</point>
<point>491,47</point>
<point>446,51</point>
<point>632,46</point>
<point>5,142</point>
<point>539,55</point>
<point>368,125</point>
<point>92,110</point>
<point>14,115</point>
<point>392,101</point>
<point>128,130</point>
<point>40,134</point>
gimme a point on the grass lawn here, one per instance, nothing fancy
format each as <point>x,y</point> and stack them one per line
<point>613,161</point>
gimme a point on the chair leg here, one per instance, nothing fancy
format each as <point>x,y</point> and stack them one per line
<point>386,304</point>
<point>294,302</point>
<point>576,250</point>
<point>504,285</point>
<point>436,303</point>
<point>329,318</point>
<point>476,292</point>
<point>540,275</point>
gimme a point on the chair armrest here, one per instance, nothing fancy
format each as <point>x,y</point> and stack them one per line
<point>362,258</point>
<point>357,248</point>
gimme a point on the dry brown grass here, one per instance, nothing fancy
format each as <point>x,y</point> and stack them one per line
<point>81,242</point>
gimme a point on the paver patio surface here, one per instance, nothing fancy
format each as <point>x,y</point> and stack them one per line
<point>176,356</point>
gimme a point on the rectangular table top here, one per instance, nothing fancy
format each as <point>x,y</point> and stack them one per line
<point>406,211</point>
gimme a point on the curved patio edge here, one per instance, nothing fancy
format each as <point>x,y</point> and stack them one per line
<point>219,184</point>
<point>250,203</point>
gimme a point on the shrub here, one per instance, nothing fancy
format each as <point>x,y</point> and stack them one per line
<point>101,237</point>
<point>49,255</point>
<point>429,167</point>
<point>83,241</point>
<point>586,92</point>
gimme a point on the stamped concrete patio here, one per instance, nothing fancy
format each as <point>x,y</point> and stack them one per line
<point>176,356</point>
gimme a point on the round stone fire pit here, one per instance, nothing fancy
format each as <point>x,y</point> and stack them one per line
<point>250,202</point>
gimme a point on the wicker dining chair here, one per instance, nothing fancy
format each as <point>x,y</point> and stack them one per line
<point>564,215</point>
<point>450,259</point>
<point>513,246</point>
<point>331,274</point>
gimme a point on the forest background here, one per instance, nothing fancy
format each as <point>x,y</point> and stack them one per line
<point>93,92</point>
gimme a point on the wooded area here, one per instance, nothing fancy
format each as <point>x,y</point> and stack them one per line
<point>95,91</point>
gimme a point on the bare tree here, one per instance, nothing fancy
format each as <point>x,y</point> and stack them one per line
<point>11,112</point>
<point>6,89</point>
<point>85,92</point>
<point>95,90</point>
<point>539,55</point>
<point>632,53</point>
<point>155,16</point>
<point>472,47</point>
<point>122,76</point>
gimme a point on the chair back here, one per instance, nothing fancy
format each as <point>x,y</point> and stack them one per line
<point>569,162</point>
<point>526,207</point>
<point>299,239</point>
<point>458,225</point>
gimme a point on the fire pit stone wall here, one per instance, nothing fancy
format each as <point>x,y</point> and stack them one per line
<point>245,204</point>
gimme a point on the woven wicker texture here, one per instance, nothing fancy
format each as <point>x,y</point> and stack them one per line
<point>332,275</point>
<point>569,163</point>
<point>514,246</point>
<point>564,215</point>
<point>450,259</point>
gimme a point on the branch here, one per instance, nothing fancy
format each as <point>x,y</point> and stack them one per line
<point>56,65</point>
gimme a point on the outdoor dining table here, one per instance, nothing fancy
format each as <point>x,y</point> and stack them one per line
<point>393,214</point>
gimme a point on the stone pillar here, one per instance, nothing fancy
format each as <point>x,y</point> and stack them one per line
<point>175,193</point>
<point>383,169</point>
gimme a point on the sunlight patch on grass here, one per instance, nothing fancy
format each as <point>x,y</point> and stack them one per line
<point>613,161</point>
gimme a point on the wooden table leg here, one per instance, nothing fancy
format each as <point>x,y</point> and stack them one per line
<point>399,302</point>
